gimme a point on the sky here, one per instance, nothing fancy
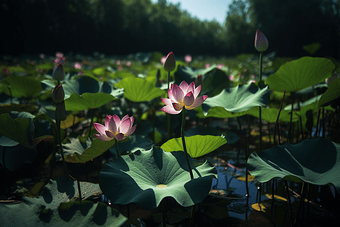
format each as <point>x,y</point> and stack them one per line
<point>204,9</point>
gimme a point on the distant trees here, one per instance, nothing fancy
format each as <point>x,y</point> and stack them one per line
<point>129,26</point>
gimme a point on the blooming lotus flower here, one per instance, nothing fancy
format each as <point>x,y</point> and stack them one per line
<point>115,128</point>
<point>181,96</point>
<point>261,41</point>
<point>170,62</point>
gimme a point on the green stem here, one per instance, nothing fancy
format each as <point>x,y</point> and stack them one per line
<point>116,144</point>
<point>183,142</point>
<point>290,131</point>
<point>91,123</point>
<point>168,115</point>
<point>260,109</point>
<point>61,147</point>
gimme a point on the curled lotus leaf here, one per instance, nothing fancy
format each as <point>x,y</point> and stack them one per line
<point>315,161</point>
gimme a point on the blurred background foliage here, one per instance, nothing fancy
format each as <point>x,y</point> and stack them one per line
<point>130,26</point>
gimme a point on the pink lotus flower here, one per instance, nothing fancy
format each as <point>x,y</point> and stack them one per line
<point>115,128</point>
<point>59,58</point>
<point>206,65</point>
<point>220,66</point>
<point>181,96</point>
<point>77,65</point>
<point>261,41</point>
<point>163,59</point>
<point>187,58</point>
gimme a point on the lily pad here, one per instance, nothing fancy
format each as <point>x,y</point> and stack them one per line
<point>87,101</point>
<point>197,146</point>
<point>77,152</point>
<point>23,86</point>
<point>77,213</point>
<point>315,161</point>
<point>145,178</point>
<point>238,99</point>
<point>299,74</point>
<point>332,92</point>
<point>139,90</point>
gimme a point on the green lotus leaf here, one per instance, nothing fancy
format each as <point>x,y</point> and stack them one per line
<point>76,213</point>
<point>332,92</point>
<point>15,156</point>
<point>20,128</point>
<point>136,142</point>
<point>22,86</point>
<point>77,152</point>
<point>218,112</point>
<point>197,146</point>
<point>87,84</point>
<point>299,74</point>
<point>145,178</point>
<point>238,99</point>
<point>270,114</point>
<point>315,161</point>
<point>139,90</point>
<point>87,101</point>
<point>214,79</point>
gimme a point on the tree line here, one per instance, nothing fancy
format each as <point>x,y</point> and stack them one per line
<point>130,26</point>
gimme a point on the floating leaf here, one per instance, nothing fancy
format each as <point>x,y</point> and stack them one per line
<point>77,152</point>
<point>237,99</point>
<point>139,90</point>
<point>315,161</point>
<point>87,101</point>
<point>299,74</point>
<point>145,178</point>
<point>77,213</point>
<point>197,146</point>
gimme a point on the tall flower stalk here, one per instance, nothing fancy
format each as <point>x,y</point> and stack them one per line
<point>181,98</point>
<point>169,65</point>
<point>261,45</point>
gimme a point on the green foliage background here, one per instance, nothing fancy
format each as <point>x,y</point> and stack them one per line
<point>130,26</point>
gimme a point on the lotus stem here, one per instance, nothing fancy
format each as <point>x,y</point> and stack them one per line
<point>290,204</point>
<point>168,116</point>
<point>290,130</point>
<point>61,147</point>
<point>91,123</point>
<point>116,144</point>
<point>184,146</point>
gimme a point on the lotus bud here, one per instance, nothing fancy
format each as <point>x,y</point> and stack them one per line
<point>60,112</point>
<point>170,62</point>
<point>58,72</point>
<point>58,94</point>
<point>261,41</point>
